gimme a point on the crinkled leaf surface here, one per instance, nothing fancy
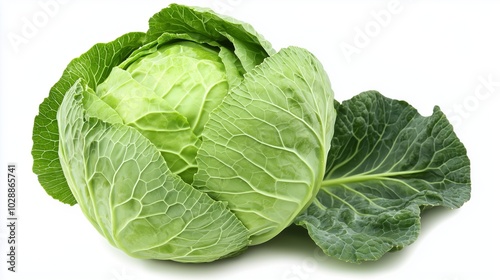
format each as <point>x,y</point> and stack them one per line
<point>386,162</point>
<point>151,115</point>
<point>191,77</point>
<point>45,130</point>
<point>125,189</point>
<point>264,148</point>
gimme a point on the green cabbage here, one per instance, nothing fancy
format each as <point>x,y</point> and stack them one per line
<point>196,139</point>
<point>189,142</point>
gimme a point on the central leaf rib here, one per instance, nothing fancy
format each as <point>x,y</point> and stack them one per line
<point>366,177</point>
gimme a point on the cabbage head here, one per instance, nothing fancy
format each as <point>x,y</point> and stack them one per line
<point>188,142</point>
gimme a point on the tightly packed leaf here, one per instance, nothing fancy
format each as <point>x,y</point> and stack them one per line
<point>196,139</point>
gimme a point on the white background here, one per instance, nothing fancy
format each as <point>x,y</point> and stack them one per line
<point>428,53</point>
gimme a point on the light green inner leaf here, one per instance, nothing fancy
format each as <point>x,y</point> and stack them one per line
<point>264,148</point>
<point>167,95</point>
<point>125,189</point>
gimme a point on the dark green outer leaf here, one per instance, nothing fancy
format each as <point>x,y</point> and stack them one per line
<point>92,67</point>
<point>200,23</point>
<point>386,162</point>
